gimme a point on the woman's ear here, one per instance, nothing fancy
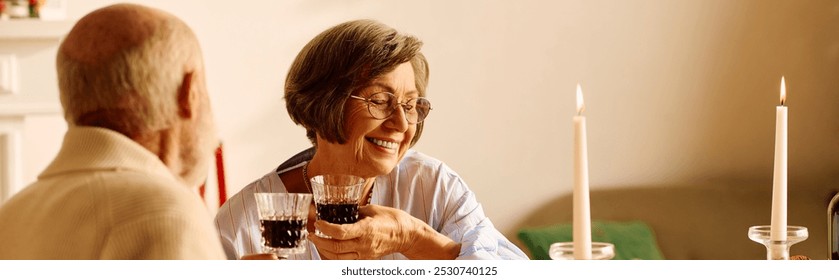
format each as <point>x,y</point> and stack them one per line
<point>187,97</point>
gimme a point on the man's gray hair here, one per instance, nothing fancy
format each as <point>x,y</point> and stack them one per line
<point>135,90</point>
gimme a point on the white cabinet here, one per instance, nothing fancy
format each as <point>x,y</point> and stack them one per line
<point>28,100</point>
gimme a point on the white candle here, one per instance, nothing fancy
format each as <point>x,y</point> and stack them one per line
<point>778,228</point>
<point>582,215</point>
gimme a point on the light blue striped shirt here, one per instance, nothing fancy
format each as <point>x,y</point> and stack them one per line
<point>420,185</point>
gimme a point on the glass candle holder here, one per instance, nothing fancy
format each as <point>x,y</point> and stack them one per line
<point>565,251</point>
<point>777,249</point>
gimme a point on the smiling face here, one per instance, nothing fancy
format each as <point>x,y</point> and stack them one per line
<point>374,146</point>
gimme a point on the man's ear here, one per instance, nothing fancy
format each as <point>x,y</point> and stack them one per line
<point>187,97</point>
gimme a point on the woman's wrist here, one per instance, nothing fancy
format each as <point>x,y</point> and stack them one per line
<point>424,243</point>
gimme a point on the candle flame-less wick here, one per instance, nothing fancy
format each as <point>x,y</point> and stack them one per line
<point>581,107</point>
<point>783,91</point>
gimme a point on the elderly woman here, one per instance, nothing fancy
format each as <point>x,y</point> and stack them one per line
<point>359,90</point>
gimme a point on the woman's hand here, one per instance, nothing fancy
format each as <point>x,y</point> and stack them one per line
<point>382,231</point>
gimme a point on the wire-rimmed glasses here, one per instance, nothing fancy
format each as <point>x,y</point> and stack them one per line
<point>381,105</point>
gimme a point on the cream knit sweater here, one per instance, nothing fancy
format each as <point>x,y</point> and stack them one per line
<point>106,197</point>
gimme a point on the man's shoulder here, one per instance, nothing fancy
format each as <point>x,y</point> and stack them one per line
<point>106,198</point>
<point>103,185</point>
<point>138,191</point>
<point>141,183</point>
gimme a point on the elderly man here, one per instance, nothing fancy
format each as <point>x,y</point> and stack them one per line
<point>140,137</point>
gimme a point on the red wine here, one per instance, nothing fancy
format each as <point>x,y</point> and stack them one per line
<point>283,233</point>
<point>346,213</point>
<point>833,228</point>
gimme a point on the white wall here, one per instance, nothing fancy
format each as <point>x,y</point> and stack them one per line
<point>677,92</point>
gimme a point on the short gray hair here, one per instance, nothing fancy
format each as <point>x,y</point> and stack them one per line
<point>134,91</point>
<point>339,61</point>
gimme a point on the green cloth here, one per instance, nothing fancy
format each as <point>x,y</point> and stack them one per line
<point>632,240</point>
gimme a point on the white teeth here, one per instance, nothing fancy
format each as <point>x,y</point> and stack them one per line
<point>386,144</point>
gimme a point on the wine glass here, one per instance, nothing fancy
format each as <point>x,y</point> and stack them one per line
<point>282,222</point>
<point>336,198</point>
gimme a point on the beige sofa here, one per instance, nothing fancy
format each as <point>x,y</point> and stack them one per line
<point>702,222</point>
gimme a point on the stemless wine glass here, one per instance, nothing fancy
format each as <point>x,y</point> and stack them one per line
<point>282,222</point>
<point>336,198</point>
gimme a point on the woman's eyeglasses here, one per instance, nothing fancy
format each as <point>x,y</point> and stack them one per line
<point>381,105</point>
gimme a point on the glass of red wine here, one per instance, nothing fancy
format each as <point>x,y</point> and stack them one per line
<point>282,222</point>
<point>336,198</point>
